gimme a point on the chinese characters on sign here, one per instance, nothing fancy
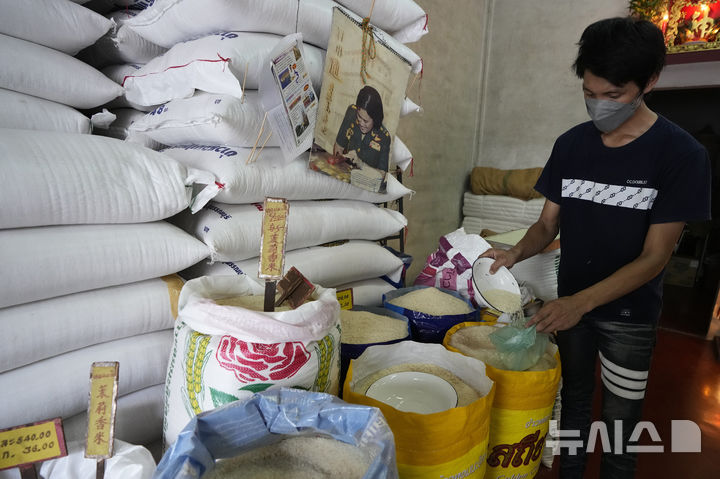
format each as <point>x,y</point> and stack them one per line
<point>272,242</point>
<point>101,410</point>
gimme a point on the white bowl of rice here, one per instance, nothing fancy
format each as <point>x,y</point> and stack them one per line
<point>499,291</point>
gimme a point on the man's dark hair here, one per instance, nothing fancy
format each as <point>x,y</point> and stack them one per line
<point>621,50</point>
<point>369,100</point>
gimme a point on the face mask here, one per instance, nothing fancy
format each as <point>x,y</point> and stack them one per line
<point>607,115</point>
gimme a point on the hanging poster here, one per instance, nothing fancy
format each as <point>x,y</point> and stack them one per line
<point>363,90</point>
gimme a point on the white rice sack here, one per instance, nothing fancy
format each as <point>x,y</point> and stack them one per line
<point>58,24</point>
<point>168,22</point>
<point>326,265</point>
<point>53,75</point>
<point>44,262</point>
<point>367,292</point>
<point>138,419</point>
<point>33,113</point>
<point>42,329</point>
<point>400,155</point>
<point>216,64</point>
<point>120,128</point>
<point>271,176</point>
<point>409,107</point>
<point>539,273</point>
<point>117,73</point>
<point>121,44</point>
<point>223,353</point>
<point>84,179</point>
<point>62,381</point>
<point>404,19</point>
<point>208,119</point>
<point>232,232</point>
<point>129,461</point>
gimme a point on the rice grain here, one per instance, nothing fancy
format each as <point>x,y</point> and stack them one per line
<point>363,327</point>
<point>432,301</point>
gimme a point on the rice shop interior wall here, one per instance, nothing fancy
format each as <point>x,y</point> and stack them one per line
<point>443,137</point>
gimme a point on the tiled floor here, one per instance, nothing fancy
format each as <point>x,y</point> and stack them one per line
<point>684,383</point>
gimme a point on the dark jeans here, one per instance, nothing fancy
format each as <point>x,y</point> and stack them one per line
<point>625,352</point>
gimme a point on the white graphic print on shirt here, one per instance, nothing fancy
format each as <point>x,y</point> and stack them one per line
<point>613,195</point>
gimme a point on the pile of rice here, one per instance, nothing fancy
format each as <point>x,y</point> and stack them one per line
<point>502,300</point>
<point>474,341</point>
<point>466,394</point>
<point>432,301</point>
<point>363,327</point>
<point>299,457</point>
<point>253,303</point>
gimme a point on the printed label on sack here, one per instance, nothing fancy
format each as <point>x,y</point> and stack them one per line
<point>345,298</point>
<point>101,411</point>
<point>23,445</point>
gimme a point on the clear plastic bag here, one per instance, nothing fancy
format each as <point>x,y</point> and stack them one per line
<point>520,347</point>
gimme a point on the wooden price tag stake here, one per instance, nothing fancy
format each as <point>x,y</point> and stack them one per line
<point>101,413</point>
<point>23,446</point>
<point>272,246</point>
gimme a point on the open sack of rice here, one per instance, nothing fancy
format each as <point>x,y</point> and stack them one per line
<point>367,326</point>
<point>523,405</point>
<point>283,432</point>
<point>226,348</point>
<point>449,437</point>
<point>431,311</point>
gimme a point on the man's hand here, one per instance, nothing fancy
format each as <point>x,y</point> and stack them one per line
<point>558,315</point>
<point>502,257</point>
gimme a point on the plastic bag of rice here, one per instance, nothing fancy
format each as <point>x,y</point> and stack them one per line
<point>431,311</point>
<point>283,433</point>
<point>448,443</point>
<point>366,326</point>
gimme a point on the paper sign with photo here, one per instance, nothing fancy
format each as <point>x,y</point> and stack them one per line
<point>363,90</point>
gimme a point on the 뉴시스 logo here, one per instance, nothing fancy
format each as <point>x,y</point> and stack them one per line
<point>684,437</point>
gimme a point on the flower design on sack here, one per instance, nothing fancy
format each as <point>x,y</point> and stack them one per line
<point>252,362</point>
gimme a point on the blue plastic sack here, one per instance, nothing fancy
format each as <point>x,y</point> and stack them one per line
<point>353,351</point>
<point>267,418</point>
<point>426,328</point>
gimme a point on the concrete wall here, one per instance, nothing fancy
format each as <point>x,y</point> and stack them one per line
<point>497,90</point>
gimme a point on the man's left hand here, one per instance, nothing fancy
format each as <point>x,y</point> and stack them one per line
<point>558,315</point>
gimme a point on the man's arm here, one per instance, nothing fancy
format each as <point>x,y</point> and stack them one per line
<point>565,312</point>
<point>537,238</point>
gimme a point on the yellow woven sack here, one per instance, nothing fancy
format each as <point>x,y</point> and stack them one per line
<point>516,183</point>
<point>519,418</point>
<point>451,443</point>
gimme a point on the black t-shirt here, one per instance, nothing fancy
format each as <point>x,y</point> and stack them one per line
<point>608,199</point>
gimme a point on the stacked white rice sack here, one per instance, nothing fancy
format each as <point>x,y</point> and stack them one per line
<point>88,260</point>
<point>204,106</point>
<point>498,213</point>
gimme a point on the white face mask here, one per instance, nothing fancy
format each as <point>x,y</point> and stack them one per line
<point>607,115</point>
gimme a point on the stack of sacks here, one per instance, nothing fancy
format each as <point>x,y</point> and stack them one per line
<point>204,105</point>
<point>88,268</point>
<point>501,200</point>
<point>45,85</point>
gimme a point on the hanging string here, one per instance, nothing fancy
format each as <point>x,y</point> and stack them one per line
<point>368,49</point>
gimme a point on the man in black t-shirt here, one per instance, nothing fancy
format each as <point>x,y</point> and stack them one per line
<point>619,190</point>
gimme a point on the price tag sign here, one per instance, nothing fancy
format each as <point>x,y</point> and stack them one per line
<point>21,446</point>
<point>345,298</point>
<point>272,241</point>
<point>101,410</point>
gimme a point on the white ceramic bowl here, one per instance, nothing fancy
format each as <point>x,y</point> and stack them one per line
<point>482,281</point>
<point>411,391</point>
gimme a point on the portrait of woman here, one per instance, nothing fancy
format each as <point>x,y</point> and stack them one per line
<point>362,135</point>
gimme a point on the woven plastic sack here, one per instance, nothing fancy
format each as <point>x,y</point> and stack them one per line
<point>450,443</point>
<point>520,416</point>
<point>23,111</point>
<point>403,19</point>
<point>117,73</point>
<point>215,64</point>
<point>120,128</point>
<point>233,231</point>
<point>46,73</point>
<point>271,176</point>
<point>270,416</point>
<point>58,24</point>
<point>428,328</point>
<point>55,178</point>
<point>223,353</point>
